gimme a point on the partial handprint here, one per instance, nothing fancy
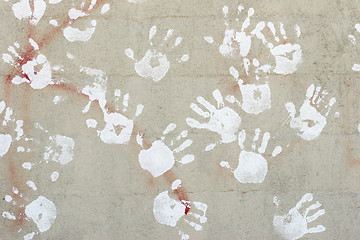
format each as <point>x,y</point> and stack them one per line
<point>155,64</point>
<point>310,121</point>
<point>256,98</point>
<point>31,11</point>
<point>169,211</point>
<point>159,158</point>
<point>252,166</point>
<point>30,74</point>
<point>118,127</point>
<point>41,211</point>
<point>222,120</point>
<point>356,66</point>
<point>73,34</point>
<point>294,224</point>
<point>236,42</point>
<point>287,55</point>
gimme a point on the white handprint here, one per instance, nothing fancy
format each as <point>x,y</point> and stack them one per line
<point>37,79</point>
<point>310,121</point>
<point>73,34</point>
<point>41,211</point>
<point>356,66</point>
<point>159,158</point>
<point>236,43</point>
<point>169,211</point>
<point>252,166</point>
<point>222,120</point>
<point>155,64</point>
<point>287,55</point>
<point>256,98</point>
<point>118,128</point>
<point>294,224</point>
<point>29,10</point>
<point>115,121</point>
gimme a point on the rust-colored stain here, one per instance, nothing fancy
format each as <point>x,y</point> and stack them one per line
<point>27,54</point>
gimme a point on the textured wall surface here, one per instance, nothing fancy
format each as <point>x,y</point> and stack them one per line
<point>154,119</point>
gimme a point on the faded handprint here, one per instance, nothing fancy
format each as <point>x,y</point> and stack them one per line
<point>222,120</point>
<point>287,55</point>
<point>169,211</point>
<point>236,42</point>
<point>311,121</point>
<point>256,98</point>
<point>356,66</point>
<point>159,158</point>
<point>60,149</point>
<point>11,130</point>
<point>155,64</point>
<point>118,127</point>
<point>294,224</point>
<point>252,166</point>
<point>30,74</point>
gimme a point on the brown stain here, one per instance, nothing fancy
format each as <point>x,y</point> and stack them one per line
<point>27,54</point>
<point>348,115</point>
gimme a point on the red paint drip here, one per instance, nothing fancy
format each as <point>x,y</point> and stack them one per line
<point>187,206</point>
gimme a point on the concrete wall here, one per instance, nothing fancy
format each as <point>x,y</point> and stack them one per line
<point>263,94</point>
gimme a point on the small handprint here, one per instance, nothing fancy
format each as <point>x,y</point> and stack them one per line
<point>222,120</point>
<point>37,79</point>
<point>252,166</point>
<point>310,121</point>
<point>287,55</point>
<point>294,224</point>
<point>236,42</point>
<point>169,211</point>
<point>256,98</point>
<point>155,64</point>
<point>356,66</point>
<point>159,158</point>
<point>116,121</point>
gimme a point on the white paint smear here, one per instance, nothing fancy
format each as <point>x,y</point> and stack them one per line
<point>32,185</point>
<point>8,215</point>
<point>76,35</point>
<point>54,176</point>
<point>176,184</point>
<point>29,236</point>
<point>26,165</point>
<point>91,123</point>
